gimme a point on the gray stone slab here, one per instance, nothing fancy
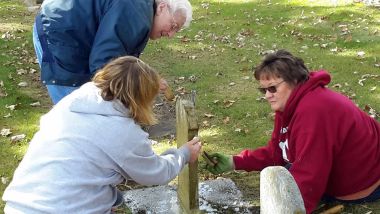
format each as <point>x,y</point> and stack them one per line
<point>279,192</point>
<point>215,196</point>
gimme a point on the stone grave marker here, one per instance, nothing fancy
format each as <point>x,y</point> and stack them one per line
<point>279,192</point>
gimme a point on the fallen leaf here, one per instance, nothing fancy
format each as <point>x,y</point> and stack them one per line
<point>371,111</point>
<point>23,84</point>
<point>4,180</point>
<point>209,115</point>
<point>8,36</point>
<point>206,123</point>
<point>218,74</point>
<point>360,82</point>
<point>11,107</point>
<point>260,98</point>
<point>17,138</point>
<point>205,5</point>
<point>35,104</point>
<point>267,52</point>
<point>21,71</point>
<point>32,71</point>
<point>192,78</point>
<point>181,90</point>
<point>5,132</point>
<point>228,103</point>
<point>334,50</point>
<point>226,120</point>
<point>361,54</point>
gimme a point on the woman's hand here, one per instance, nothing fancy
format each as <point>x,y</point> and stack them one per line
<point>195,147</point>
<point>163,85</point>
<point>222,163</point>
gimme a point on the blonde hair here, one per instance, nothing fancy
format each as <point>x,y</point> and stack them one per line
<point>134,83</point>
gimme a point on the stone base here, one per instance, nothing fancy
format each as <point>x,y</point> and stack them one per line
<point>215,196</point>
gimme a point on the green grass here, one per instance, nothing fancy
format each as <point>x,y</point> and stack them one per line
<point>17,53</point>
<point>223,43</point>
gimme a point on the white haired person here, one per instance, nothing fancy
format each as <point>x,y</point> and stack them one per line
<point>75,38</point>
<point>91,141</point>
<point>330,146</point>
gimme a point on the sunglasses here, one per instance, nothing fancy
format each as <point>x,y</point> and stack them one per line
<point>272,89</point>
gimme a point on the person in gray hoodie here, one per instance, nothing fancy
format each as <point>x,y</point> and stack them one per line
<point>91,141</point>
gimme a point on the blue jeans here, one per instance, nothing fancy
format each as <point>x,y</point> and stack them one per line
<point>56,92</point>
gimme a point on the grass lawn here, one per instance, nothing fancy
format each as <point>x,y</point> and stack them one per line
<point>215,57</point>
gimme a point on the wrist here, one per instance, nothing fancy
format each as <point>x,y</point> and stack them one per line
<point>185,150</point>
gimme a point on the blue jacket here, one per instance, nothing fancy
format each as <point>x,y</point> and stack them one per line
<point>80,36</point>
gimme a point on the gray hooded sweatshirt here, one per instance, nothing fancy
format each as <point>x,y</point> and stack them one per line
<point>86,146</point>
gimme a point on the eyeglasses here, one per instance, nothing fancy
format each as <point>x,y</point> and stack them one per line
<point>272,89</point>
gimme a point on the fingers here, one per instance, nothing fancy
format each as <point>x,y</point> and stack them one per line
<point>195,147</point>
<point>195,140</point>
<point>163,84</point>
<point>196,143</point>
<point>212,169</point>
<point>216,155</point>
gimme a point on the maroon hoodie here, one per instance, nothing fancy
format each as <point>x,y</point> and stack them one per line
<point>333,146</point>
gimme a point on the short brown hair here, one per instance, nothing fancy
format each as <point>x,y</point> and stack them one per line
<point>134,83</point>
<point>284,65</point>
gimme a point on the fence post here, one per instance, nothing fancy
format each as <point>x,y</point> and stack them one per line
<point>186,129</point>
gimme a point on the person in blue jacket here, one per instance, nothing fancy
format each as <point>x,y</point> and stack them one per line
<point>74,38</point>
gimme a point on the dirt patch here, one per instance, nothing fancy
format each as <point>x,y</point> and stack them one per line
<point>165,112</point>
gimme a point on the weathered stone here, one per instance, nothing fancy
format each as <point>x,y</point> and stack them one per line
<point>215,196</point>
<point>279,192</point>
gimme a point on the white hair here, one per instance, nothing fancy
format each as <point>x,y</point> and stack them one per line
<point>181,6</point>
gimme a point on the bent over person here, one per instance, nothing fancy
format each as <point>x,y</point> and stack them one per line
<point>329,145</point>
<point>91,141</point>
<point>74,38</point>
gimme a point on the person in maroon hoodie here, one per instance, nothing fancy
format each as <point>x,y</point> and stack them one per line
<point>329,145</point>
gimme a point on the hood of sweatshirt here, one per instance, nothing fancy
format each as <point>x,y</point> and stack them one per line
<point>316,79</point>
<point>87,100</point>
